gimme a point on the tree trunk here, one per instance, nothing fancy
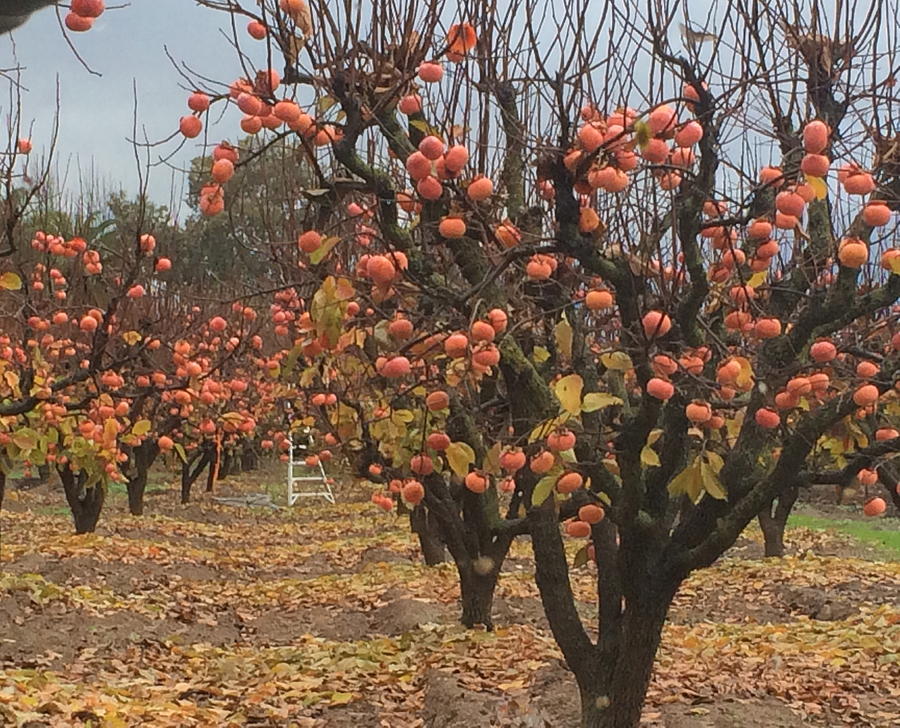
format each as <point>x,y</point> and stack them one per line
<point>85,503</point>
<point>617,701</point>
<point>773,519</point>
<point>188,475</point>
<point>43,473</point>
<point>249,458</point>
<point>477,594</point>
<point>2,487</point>
<point>425,526</point>
<point>144,455</point>
<point>215,463</point>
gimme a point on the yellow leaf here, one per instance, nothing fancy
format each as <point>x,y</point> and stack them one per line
<point>818,185</point>
<point>547,426</point>
<point>618,361</point>
<point>894,263</point>
<point>599,400</point>
<point>711,482</point>
<point>757,279</point>
<point>492,460</point>
<point>568,392</point>
<point>10,282</point>
<point>688,482</point>
<point>545,486</point>
<point>131,337</point>
<point>649,457</point>
<point>539,355</point>
<point>563,334</point>
<point>460,456</point>
<point>140,428</point>
<point>402,417</point>
<point>745,378</point>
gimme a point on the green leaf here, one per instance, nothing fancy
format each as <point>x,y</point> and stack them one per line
<point>568,392</point>
<point>318,255</point>
<point>181,453</point>
<point>562,332</point>
<point>642,133</point>
<point>460,456</point>
<point>10,282</point>
<point>25,439</point>
<point>544,488</point>
<point>649,458</point>
<point>324,103</point>
<point>581,557</point>
<point>599,400</point>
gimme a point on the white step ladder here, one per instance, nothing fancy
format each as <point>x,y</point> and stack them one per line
<point>299,473</point>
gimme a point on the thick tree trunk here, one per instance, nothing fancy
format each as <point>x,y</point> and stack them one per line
<point>773,520</point>
<point>477,595</point>
<point>85,503</point>
<point>425,526</point>
<point>136,487</point>
<point>144,455</point>
<point>617,701</point>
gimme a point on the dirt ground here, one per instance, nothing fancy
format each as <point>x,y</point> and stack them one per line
<point>324,616</point>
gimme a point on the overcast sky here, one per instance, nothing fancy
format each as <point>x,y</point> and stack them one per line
<point>127,46</point>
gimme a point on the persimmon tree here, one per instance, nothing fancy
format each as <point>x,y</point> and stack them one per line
<point>637,277</point>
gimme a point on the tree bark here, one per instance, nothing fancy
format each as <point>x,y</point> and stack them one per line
<point>249,457</point>
<point>188,475</point>
<point>617,701</point>
<point>426,527</point>
<point>215,464</point>
<point>477,595</point>
<point>144,455</point>
<point>773,520</point>
<point>2,487</point>
<point>84,503</point>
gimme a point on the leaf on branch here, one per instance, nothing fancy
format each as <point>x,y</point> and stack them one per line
<point>688,482</point>
<point>649,458</point>
<point>318,255</point>
<point>818,186</point>
<point>141,428</point>
<point>539,355</point>
<point>562,332</point>
<point>179,449</point>
<point>545,487</point>
<point>594,401</point>
<point>131,337</point>
<point>568,392</point>
<point>460,456</point>
<point>10,282</point>
<point>757,279</point>
<point>492,460</point>
<point>618,361</point>
<point>581,557</point>
<point>710,478</point>
<point>324,103</point>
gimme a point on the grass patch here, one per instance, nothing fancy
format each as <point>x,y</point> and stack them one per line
<point>877,533</point>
